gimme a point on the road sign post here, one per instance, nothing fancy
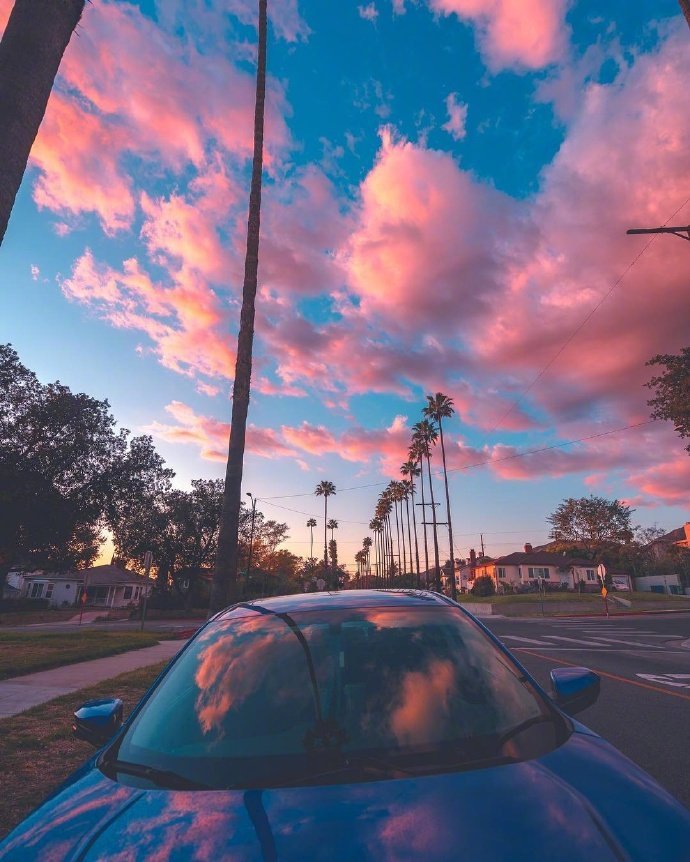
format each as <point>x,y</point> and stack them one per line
<point>601,571</point>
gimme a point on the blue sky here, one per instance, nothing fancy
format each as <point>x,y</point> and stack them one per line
<point>445,202</point>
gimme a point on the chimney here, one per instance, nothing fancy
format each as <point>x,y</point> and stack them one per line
<point>528,548</point>
<point>473,557</point>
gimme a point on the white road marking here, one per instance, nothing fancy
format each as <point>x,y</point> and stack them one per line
<point>576,641</point>
<point>524,640</point>
<point>629,643</point>
<point>667,678</point>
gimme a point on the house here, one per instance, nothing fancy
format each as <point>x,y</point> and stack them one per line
<point>106,586</point>
<point>525,569</point>
<point>679,537</point>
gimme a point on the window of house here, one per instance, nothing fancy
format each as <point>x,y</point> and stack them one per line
<point>501,572</point>
<point>37,590</point>
<point>49,591</point>
<point>127,593</point>
<point>538,572</point>
<point>591,574</point>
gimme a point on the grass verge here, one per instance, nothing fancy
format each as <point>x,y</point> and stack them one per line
<point>38,751</point>
<point>22,653</point>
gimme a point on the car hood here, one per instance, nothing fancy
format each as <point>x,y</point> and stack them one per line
<point>583,801</point>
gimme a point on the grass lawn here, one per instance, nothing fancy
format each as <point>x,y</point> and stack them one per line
<point>22,653</point>
<point>37,750</point>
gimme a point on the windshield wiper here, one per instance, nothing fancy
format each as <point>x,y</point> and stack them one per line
<point>160,777</point>
<point>370,768</point>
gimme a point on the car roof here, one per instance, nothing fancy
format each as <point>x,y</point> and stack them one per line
<point>344,599</point>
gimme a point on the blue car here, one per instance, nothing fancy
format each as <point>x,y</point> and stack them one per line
<point>361,725</point>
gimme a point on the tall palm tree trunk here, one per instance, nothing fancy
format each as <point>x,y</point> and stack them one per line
<point>311,545</point>
<point>424,523</point>
<point>225,573</point>
<point>402,530</point>
<point>414,523</point>
<point>325,541</point>
<point>453,591</point>
<point>685,6</point>
<point>409,532</point>
<point>437,563</point>
<point>34,41</point>
<point>401,569</point>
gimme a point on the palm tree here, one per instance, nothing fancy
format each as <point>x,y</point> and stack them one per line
<point>311,523</point>
<point>416,456</point>
<point>406,492</point>
<point>440,407</point>
<point>366,545</point>
<point>410,468</point>
<point>225,573</point>
<point>332,525</point>
<point>426,434</point>
<point>34,41</point>
<point>376,527</point>
<point>325,489</point>
<point>398,494</point>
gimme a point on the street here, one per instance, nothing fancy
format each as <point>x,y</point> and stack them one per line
<point>644,664</point>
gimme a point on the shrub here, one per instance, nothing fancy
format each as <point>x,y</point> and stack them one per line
<point>483,586</point>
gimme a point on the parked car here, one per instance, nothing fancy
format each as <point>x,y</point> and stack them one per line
<point>352,726</point>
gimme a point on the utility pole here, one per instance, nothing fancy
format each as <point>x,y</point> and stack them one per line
<point>148,559</point>
<point>251,540</point>
<point>481,539</point>
<point>430,524</point>
<point>683,231</point>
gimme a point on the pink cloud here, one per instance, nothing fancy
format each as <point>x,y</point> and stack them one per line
<point>184,321</point>
<point>128,87</point>
<point>368,12</point>
<point>457,117</point>
<point>514,33</point>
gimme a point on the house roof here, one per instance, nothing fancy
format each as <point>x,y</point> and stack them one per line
<point>544,558</point>
<point>96,575</point>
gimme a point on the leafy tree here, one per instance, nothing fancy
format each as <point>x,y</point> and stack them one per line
<point>333,553</point>
<point>672,387</point>
<point>591,521</point>
<point>483,586</point>
<point>37,33</point>
<point>65,472</point>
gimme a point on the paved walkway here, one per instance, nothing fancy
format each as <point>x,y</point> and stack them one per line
<point>23,692</point>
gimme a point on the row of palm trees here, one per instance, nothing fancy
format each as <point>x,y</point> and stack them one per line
<point>394,525</point>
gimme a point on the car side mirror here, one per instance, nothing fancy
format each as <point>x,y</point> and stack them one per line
<point>574,688</point>
<point>97,721</point>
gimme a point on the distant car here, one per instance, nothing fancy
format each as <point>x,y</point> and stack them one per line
<point>361,725</point>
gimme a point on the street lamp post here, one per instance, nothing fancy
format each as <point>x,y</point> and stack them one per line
<point>251,535</point>
<point>683,231</point>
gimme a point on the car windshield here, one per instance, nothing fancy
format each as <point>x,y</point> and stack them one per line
<point>264,699</point>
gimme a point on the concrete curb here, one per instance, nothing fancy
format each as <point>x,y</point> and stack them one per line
<point>624,614</point>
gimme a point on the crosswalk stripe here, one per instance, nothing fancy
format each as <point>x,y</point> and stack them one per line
<point>524,640</point>
<point>630,643</point>
<point>574,640</point>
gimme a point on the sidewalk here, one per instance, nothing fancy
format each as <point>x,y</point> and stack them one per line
<point>23,692</point>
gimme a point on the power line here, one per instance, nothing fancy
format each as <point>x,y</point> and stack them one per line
<point>465,467</point>
<point>582,325</point>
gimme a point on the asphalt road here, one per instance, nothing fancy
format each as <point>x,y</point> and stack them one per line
<point>644,664</point>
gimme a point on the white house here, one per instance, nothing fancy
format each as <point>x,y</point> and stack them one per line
<point>106,586</point>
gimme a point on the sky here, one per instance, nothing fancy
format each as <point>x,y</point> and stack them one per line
<point>447,188</point>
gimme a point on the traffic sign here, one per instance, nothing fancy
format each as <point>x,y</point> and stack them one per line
<point>601,571</point>
<point>604,592</point>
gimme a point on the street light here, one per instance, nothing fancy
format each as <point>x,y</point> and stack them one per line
<point>683,231</point>
<point>251,535</point>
